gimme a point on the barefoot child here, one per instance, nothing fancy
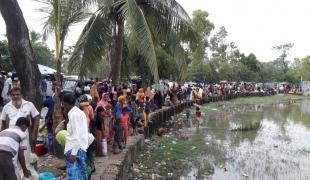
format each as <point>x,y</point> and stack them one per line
<point>124,120</point>
<point>197,119</point>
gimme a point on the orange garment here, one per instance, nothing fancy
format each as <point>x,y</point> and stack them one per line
<point>89,112</point>
<point>94,93</point>
<point>140,95</point>
<point>124,119</point>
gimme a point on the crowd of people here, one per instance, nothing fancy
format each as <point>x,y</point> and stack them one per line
<point>97,115</point>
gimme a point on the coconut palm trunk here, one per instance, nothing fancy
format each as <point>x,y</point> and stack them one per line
<point>119,44</point>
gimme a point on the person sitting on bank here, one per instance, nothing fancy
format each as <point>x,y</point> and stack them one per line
<point>13,141</point>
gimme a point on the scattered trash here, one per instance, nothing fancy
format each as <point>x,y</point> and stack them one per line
<point>225,169</point>
<point>194,147</point>
<point>174,142</point>
<point>161,131</point>
<point>245,175</point>
<point>170,174</point>
<point>275,146</point>
<point>207,143</point>
<point>153,176</point>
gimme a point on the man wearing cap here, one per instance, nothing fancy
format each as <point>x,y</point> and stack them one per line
<point>87,93</point>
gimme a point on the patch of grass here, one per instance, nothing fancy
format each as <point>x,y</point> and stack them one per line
<point>167,148</point>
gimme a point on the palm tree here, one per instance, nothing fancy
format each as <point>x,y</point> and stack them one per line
<point>148,23</point>
<point>61,14</point>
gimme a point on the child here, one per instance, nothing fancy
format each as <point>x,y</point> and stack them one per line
<point>141,120</point>
<point>197,117</point>
<point>133,116</point>
<point>118,136</point>
<point>124,120</point>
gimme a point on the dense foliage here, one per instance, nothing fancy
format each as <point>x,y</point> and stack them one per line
<point>41,51</point>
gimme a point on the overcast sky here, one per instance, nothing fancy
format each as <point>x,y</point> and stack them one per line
<point>254,25</point>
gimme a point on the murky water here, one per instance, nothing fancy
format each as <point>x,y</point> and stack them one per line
<point>278,148</point>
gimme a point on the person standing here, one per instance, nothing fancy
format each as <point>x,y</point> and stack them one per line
<point>49,102</point>
<point>99,130</point>
<point>118,137</point>
<point>6,89</point>
<point>77,139</point>
<point>124,120</point>
<point>13,141</point>
<point>16,108</point>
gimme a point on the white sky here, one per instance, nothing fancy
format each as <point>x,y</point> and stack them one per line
<point>254,25</point>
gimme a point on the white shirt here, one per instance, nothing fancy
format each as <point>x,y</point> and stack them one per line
<point>77,131</point>
<point>6,86</point>
<point>11,113</point>
<point>49,90</point>
<point>12,140</point>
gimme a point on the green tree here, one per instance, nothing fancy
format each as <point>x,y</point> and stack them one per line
<point>61,15</point>
<point>282,60</point>
<point>42,52</point>
<point>5,60</point>
<point>147,23</point>
<point>304,68</point>
<point>203,27</point>
<point>198,68</point>
<point>218,44</point>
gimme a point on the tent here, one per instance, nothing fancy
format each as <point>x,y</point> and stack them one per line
<point>44,70</point>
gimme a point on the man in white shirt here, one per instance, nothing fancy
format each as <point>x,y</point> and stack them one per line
<point>16,108</point>
<point>77,139</point>
<point>13,141</point>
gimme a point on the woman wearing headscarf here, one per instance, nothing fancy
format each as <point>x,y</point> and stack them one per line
<point>104,100</point>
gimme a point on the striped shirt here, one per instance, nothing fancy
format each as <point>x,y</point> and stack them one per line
<point>12,140</point>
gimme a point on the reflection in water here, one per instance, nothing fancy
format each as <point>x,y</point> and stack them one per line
<point>279,149</point>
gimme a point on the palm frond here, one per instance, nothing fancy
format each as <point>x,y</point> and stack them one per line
<point>141,34</point>
<point>72,12</point>
<point>92,44</point>
<point>166,16</point>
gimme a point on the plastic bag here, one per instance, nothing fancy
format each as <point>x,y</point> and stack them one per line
<point>104,146</point>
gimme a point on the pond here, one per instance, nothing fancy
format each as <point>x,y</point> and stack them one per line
<point>277,147</point>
